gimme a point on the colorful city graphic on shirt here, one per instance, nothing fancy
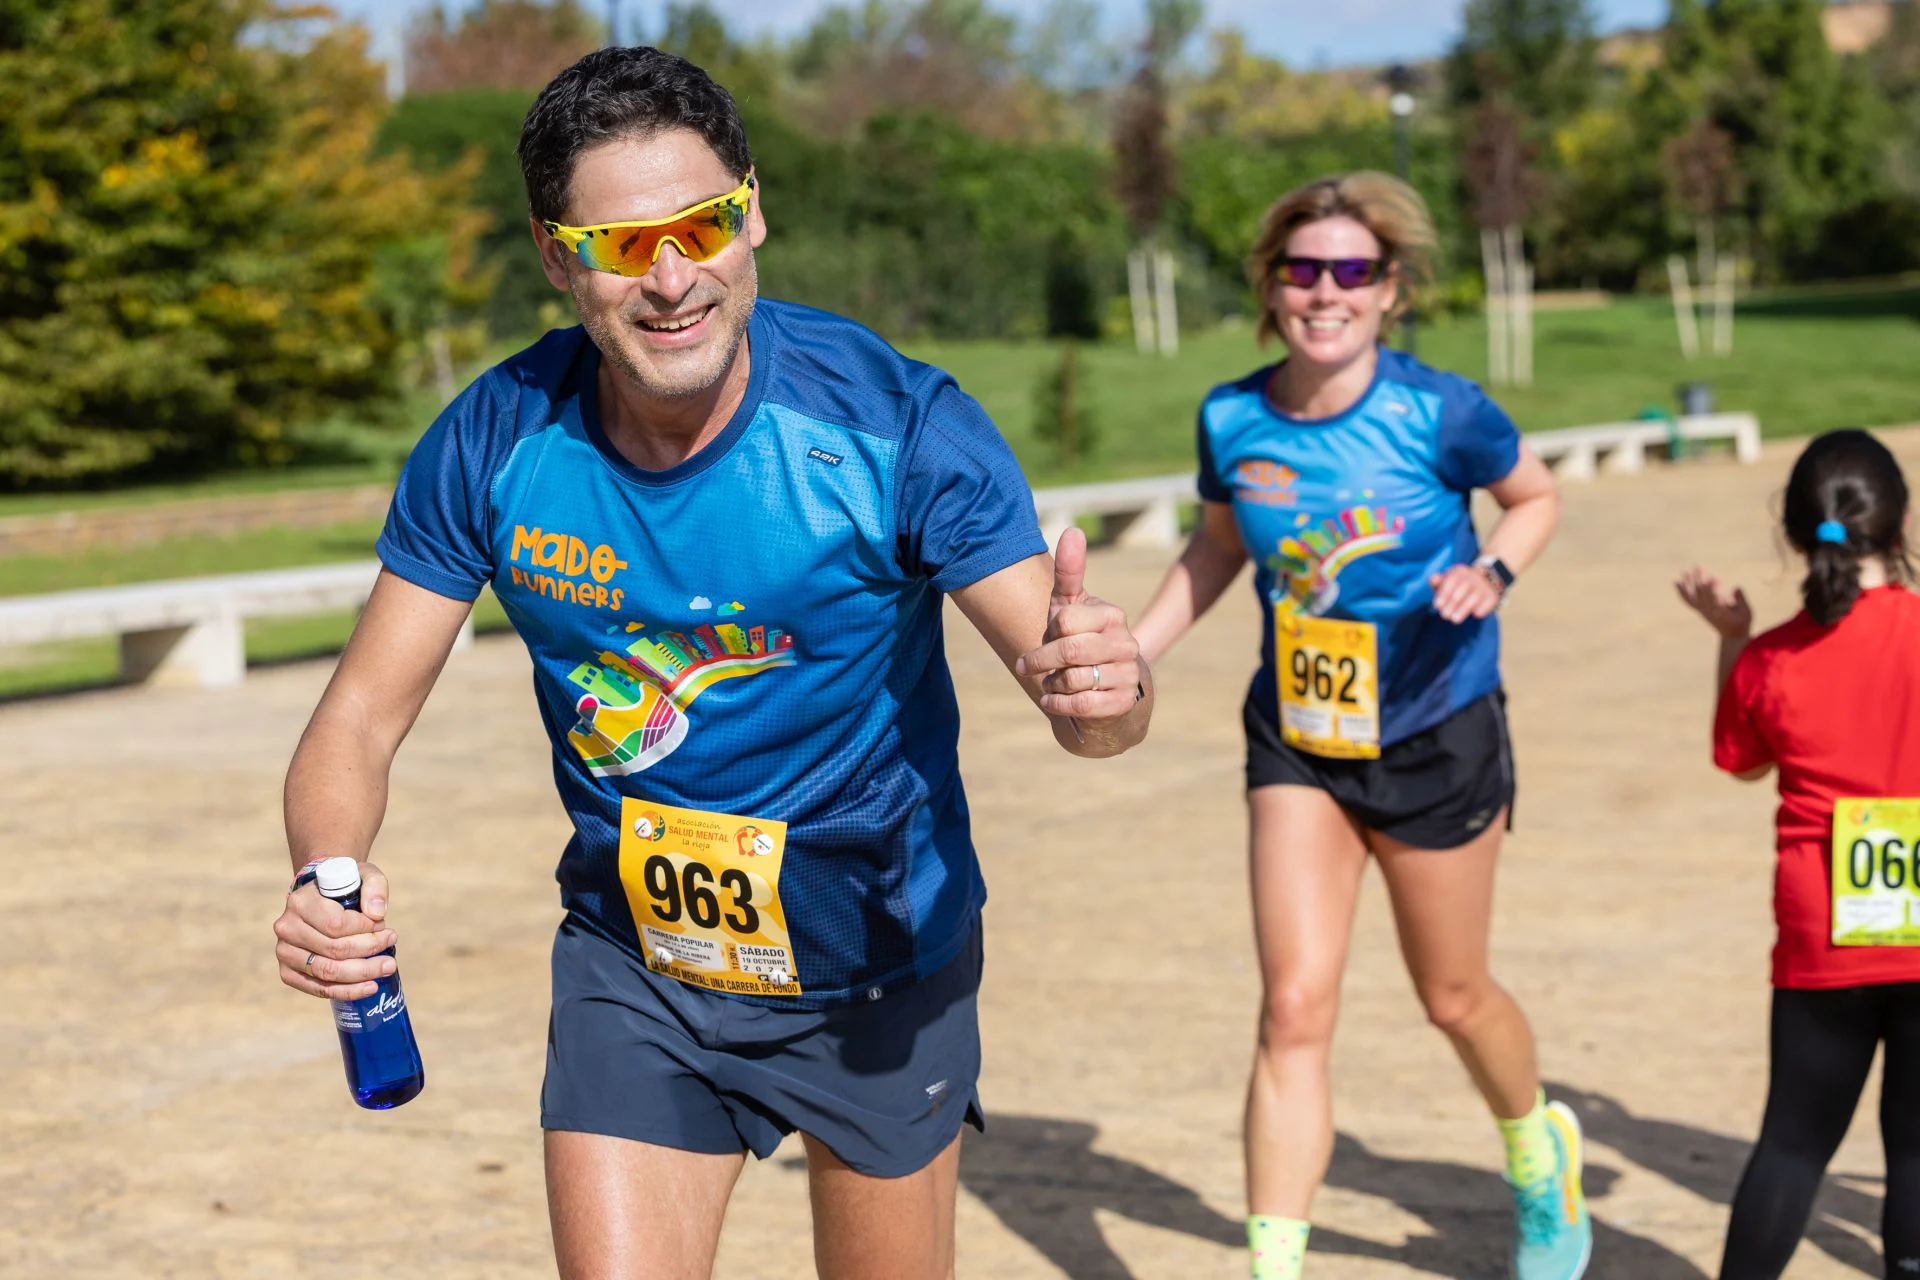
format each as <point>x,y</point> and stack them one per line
<point>1308,564</point>
<point>633,708</point>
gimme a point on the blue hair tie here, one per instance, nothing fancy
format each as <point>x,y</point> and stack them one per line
<point>1831,531</point>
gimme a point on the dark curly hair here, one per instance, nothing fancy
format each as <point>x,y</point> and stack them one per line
<point>1851,479</point>
<point>621,93</point>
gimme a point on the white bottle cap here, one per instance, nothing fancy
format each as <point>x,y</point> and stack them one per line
<point>337,877</point>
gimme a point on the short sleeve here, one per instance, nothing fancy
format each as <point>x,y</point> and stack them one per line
<point>438,533</point>
<point>1479,445</point>
<point>965,511</point>
<point>1738,744</point>
<point>1212,487</point>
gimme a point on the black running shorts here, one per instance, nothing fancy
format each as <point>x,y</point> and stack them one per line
<point>1437,789</point>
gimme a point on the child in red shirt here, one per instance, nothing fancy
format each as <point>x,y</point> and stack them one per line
<point>1831,698</point>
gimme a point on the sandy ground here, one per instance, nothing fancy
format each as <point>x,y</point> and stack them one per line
<point>167,1109</point>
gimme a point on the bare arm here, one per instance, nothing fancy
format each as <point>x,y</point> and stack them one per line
<point>336,789</point>
<point>1213,558</point>
<point>1529,513</point>
<point>1729,614</point>
<point>1071,652</point>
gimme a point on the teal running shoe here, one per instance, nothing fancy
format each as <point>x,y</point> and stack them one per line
<point>1553,1237</point>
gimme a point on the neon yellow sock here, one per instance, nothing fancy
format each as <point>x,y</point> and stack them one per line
<point>1530,1153</point>
<point>1279,1246</point>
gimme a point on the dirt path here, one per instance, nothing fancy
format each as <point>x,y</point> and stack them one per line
<point>169,1110</point>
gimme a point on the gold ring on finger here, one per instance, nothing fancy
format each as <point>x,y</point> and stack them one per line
<point>1096,676</point>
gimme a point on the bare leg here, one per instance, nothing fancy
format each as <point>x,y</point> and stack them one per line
<point>624,1210</point>
<point>1443,908</point>
<point>867,1228</point>
<point>1307,861</point>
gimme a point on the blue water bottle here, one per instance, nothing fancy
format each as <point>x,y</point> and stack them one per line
<point>376,1036</point>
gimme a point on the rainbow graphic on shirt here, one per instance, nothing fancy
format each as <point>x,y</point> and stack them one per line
<point>1308,562</point>
<point>634,700</point>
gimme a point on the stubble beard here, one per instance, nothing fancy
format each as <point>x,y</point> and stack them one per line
<point>741,296</point>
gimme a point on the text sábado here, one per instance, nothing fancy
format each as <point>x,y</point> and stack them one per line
<point>569,558</point>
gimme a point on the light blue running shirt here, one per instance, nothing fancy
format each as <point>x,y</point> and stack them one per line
<point>1351,515</point>
<point>756,631</point>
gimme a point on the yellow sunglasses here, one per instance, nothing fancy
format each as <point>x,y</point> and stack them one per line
<point>630,248</point>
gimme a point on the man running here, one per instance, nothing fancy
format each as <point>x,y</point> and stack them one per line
<point>724,528</point>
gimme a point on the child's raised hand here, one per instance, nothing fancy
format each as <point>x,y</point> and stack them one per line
<point>1725,611</point>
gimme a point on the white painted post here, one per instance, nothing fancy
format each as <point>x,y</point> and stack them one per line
<point>1167,314</point>
<point>1493,263</point>
<point>1723,307</point>
<point>1522,276</point>
<point>210,653</point>
<point>1683,306</point>
<point>1139,287</point>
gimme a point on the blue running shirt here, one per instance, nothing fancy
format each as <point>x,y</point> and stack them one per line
<point>1349,516</point>
<point>759,627</point>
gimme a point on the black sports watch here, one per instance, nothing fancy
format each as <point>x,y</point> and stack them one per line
<point>1497,572</point>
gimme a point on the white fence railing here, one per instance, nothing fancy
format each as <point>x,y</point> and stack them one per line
<point>191,631</point>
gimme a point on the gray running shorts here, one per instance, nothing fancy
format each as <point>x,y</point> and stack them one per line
<point>885,1084</point>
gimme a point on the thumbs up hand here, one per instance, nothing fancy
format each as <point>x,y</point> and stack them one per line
<point>1088,663</point>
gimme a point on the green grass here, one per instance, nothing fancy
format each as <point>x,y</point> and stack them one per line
<point>1804,360</point>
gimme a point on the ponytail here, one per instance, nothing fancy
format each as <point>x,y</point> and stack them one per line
<point>1832,583</point>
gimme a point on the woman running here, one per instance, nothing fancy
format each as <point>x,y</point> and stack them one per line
<point>1831,698</point>
<point>1376,722</point>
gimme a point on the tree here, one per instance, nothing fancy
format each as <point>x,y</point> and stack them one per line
<point>1808,132</point>
<point>189,228</point>
<point>1145,172</point>
<point>497,44</point>
<point>1247,95</point>
<point>954,58</point>
<point>1522,71</point>
<point>1537,55</point>
<point>1499,171</point>
<point>1706,182</point>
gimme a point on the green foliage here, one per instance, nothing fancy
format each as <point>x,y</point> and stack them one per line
<point>1809,131</point>
<point>1228,185</point>
<point>1537,55</point>
<point>478,129</point>
<point>1061,416</point>
<point>918,227</point>
<point>189,230</point>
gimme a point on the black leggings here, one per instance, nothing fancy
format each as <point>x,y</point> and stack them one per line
<point>1823,1046</point>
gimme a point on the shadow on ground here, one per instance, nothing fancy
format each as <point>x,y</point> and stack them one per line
<point>1044,1181</point>
<point>1709,1164</point>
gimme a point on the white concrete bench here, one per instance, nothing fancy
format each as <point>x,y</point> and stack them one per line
<point>1578,453</point>
<point>188,631</point>
<point>1136,513</point>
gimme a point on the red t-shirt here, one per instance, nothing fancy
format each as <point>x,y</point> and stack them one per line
<point>1837,710</point>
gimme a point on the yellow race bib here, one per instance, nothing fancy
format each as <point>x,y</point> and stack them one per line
<point>1876,873</point>
<point>1329,685</point>
<point>705,893</point>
